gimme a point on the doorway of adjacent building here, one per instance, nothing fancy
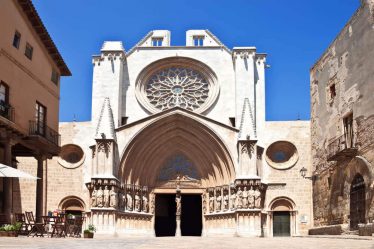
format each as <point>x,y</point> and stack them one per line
<point>281,224</point>
<point>357,202</point>
<point>191,218</point>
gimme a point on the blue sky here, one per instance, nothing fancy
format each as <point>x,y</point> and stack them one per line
<point>294,34</point>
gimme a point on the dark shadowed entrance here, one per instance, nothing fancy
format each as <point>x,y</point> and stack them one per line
<point>357,202</point>
<point>281,224</point>
<point>165,223</point>
<point>191,220</point>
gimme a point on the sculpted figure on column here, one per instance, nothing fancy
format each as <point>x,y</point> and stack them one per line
<point>178,200</point>
<point>100,196</point>
<point>145,203</point>
<point>225,201</point>
<point>93,198</point>
<point>245,198</point>
<point>137,201</point>
<point>218,201</point>
<point>113,198</point>
<point>251,198</point>
<point>106,197</point>
<point>211,203</point>
<point>152,203</point>
<point>239,198</point>
<point>232,199</point>
<point>128,201</point>
<point>257,195</point>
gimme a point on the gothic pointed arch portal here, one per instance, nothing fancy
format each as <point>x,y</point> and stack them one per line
<point>196,150</point>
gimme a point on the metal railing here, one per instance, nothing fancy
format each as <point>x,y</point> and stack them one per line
<point>6,111</point>
<point>341,143</point>
<point>41,129</point>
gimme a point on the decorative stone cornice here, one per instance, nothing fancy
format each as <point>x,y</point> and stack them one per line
<point>243,52</point>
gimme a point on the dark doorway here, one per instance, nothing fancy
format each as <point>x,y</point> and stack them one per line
<point>281,224</point>
<point>191,220</point>
<point>357,202</point>
<point>165,223</point>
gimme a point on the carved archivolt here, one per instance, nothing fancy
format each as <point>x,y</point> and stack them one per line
<point>177,82</point>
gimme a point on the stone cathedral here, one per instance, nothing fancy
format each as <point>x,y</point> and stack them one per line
<point>178,145</point>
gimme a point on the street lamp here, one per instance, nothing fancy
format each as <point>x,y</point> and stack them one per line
<point>303,171</point>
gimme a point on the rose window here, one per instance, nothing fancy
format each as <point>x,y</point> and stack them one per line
<point>177,86</point>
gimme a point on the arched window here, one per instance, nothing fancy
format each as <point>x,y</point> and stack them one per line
<point>178,165</point>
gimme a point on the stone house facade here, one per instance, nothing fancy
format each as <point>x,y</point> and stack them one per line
<point>342,125</point>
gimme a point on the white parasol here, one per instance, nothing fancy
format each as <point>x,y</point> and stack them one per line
<point>6,171</point>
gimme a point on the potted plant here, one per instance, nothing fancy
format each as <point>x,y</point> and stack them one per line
<point>89,232</point>
<point>10,230</point>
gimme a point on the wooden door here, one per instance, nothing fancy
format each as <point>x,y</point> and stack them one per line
<point>281,224</point>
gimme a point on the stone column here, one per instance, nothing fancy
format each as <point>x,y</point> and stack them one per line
<point>8,181</point>
<point>40,195</point>
<point>178,200</point>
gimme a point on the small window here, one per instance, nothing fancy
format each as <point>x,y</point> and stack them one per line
<point>332,91</point>
<point>4,93</point>
<point>40,118</point>
<point>28,51</point>
<point>198,41</point>
<point>16,39</point>
<point>55,77</point>
<point>157,42</point>
<point>124,120</point>
<point>232,121</point>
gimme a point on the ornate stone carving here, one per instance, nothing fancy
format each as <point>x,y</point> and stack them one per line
<point>239,198</point>
<point>145,203</point>
<point>93,198</point>
<point>137,202</point>
<point>103,146</point>
<point>129,201</point>
<point>152,203</point>
<point>100,197</point>
<point>218,200</point>
<point>106,197</point>
<point>178,200</point>
<point>251,200</point>
<point>257,198</point>
<point>211,202</point>
<point>113,198</point>
<point>232,199</point>
<point>177,86</point>
<point>226,200</point>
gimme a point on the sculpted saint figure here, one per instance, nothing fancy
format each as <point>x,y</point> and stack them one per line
<point>218,201</point>
<point>211,204</point>
<point>113,198</point>
<point>152,204</point>
<point>178,200</point>
<point>137,202</point>
<point>232,199</point>
<point>106,197</point>
<point>245,198</point>
<point>251,198</point>
<point>226,201</point>
<point>129,201</point>
<point>100,196</point>
<point>239,198</point>
<point>93,198</point>
<point>145,204</point>
<point>257,195</point>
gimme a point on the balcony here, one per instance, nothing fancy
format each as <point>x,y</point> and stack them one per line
<point>40,129</point>
<point>343,147</point>
<point>6,111</point>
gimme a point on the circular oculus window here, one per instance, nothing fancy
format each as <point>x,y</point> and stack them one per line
<point>71,156</point>
<point>281,155</point>
<point>177,82</point>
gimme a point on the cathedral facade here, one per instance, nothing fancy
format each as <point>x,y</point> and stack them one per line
<point>178,144</point>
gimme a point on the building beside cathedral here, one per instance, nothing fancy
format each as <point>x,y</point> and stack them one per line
<point>178,144</point>
<point>342,113</point>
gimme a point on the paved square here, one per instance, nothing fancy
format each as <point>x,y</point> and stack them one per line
<point>185,243</point>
